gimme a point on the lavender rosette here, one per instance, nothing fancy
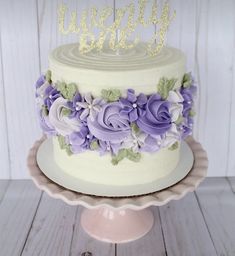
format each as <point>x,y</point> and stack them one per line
<point>109,124</point>
<point>156,119</point>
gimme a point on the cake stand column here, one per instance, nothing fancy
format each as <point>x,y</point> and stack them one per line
<point>116,225</point>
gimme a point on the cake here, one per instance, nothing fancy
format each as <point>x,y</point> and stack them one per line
<point>116,118</point>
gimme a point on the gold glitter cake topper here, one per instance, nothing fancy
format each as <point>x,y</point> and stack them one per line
<point>117,35</point>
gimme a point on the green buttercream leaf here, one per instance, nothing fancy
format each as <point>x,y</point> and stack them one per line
<point>48,76</point>
<point>45,111</point>
<point>133,156</point>
<point>111,95</point>
<point>135,128</point>
<point>174,146</point>
<point>165,85</point>
<point>126,153</point>
<point>67,90</point>
<point>179,120</point>
<point>187,80</point>
<point>65,111</point>
<point>122,153</point>
<point>192,113</point>
<point>62,143</point>
<point>68,150</point>
<point>94,145</point>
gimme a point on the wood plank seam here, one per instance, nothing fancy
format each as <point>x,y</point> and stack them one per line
<point>230,108</point>
<point>206,79</point>
<point>4,109</point>
<point>196,60</point>
<point>31,225</point>
<point>1,199</point>
<point>164,241</point>
<point>199,205</point>
<point>71,242</point>
<point>230,184</point>
<point>38,34</point>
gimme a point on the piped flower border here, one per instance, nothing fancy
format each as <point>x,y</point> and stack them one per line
<point>122,124</point>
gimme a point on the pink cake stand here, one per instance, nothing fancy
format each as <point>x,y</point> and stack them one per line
<point>120,220</point>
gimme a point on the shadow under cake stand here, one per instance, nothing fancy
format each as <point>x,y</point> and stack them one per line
<point>120,219</point>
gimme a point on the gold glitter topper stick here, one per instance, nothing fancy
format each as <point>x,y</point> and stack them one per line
<point>93,19</point>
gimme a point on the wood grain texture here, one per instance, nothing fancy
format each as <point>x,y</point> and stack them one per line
<point>231,145</point>
<point>184,229</point>
<point>49,36</point>
<point>21,67</point>
<point>231,181</point>
<point>52,229</point>
<point>216,35</point>
<point>47,227</point>
<point>203,29</point>
<point>217,202</point>
<point>151,244</point>
<point>17,211</point>
<point>5,172</point>
<point>3,188</point>
<point>83,243</point>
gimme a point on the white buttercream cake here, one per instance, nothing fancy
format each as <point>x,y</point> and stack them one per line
<point>116,118</point>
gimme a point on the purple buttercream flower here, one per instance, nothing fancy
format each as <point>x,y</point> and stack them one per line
<point>45,125</point>
<point>185,131</point>
<point>151,144</point>
<point>109,125</point>
<point>107,146</point>
<point>81,140</point>
<point>186,127</point>
<point>188,94</point>
<point>133,105</point>
<point>89,107</point>
<point>73,105</point>
<point>41,80</point>
<point>51,94</point>
<point>156,120</point>
<point>41,85</point>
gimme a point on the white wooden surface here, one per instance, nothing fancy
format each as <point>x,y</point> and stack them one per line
<point>200,224</point>
<point>179,218</point>
<point>150,245</point>
<point>52,229</point>
<point>203,29</point>
<point>217,203</point>
<point>17,212</point>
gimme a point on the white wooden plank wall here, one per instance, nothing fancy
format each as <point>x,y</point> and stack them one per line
<point>203,29</point>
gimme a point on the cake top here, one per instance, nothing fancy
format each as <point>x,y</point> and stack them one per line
<point>123,60</point>
<point>134,68</point>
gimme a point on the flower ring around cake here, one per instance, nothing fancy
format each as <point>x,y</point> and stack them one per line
<point>53,171</point>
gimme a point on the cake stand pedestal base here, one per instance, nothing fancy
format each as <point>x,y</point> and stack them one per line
<point>117,225</point>
<point>118,219</point>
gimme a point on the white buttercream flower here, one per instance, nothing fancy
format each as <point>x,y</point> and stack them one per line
<point>176,107</point>
<point>135,141</point>
<point>175,97</point>
<point>62,124</point>
<point>89,107</point>
<point>171,136</point>
<point>41,92</point>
